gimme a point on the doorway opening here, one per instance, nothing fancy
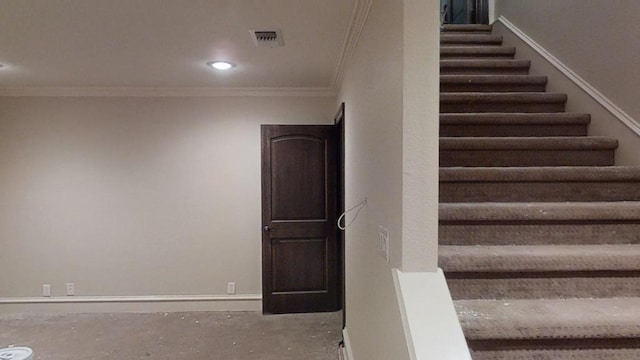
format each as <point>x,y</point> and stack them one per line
<point>464,11</point>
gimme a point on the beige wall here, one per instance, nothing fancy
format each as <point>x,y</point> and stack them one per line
<point>136,196</point>
<point>598,40</point>
<point>386,134</point>
<point>420,142</point>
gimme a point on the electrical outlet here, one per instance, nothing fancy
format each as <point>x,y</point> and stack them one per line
<point>231,288</point>
<point>71,289</point>
<point>383,242</point>
<point>46,290</point>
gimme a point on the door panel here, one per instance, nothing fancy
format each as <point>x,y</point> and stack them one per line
<point>298,179</point>
<point>310,257</point>
<point>299,205</point>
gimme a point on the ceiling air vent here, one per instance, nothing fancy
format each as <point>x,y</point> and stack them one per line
<point>268,38</point>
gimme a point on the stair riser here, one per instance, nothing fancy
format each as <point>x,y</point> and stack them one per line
<point>563,349</point>
<point>467,32</point>
<point>502,158</point>
<point>500,107</point>
<point>493,70</point>
<point>477,53</point>
<point>538,191</point>
<point>465,28</point>
<point>470,41</point>
<point>543,286</point>
<point>476,56</point>
<point>577,233</point>
<point>517,130</point>
<point>492,87</point>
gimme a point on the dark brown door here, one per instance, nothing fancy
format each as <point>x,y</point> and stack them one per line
<point>299,205</point>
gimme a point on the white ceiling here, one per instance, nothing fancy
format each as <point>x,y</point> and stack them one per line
<point>166,43</point>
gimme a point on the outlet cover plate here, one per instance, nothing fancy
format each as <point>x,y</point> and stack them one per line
<point>231,288</point>
<point>46,290</point>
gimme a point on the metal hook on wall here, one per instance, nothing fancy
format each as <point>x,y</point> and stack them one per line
<point>358,207</point>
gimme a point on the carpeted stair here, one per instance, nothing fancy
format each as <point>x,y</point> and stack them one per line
<point>539,230</point>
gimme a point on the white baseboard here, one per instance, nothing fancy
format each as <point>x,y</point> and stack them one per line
<point>154,303</point>
<point>348,353</point>
<point>605,102</point>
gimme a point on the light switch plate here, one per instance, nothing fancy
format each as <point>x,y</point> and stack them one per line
<point>383,242</point>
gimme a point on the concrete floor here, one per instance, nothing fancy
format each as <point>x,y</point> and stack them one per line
<point>184,336</point>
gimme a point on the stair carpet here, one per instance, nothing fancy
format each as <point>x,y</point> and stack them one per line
<point>539,230</point>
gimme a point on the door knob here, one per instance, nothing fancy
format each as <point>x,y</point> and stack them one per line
<point>267,228</point>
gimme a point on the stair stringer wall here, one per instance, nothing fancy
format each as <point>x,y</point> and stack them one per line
<point>603,121</point>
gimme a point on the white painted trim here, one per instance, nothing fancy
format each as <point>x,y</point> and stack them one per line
<point>359,17</point>
<point>137,304</point>
<point>403,315</point>
<point>430,321</point>
<point>605,102</point>
<point>348,352</point>
<point>166,92</point>
<point>129,299</point>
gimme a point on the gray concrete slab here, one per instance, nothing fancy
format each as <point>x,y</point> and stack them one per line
<point>184,336</point>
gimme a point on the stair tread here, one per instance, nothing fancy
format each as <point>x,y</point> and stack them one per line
<point>492,79</point>
<point>540,211</point>
<point>529,143</point>
<point>472,38</point>
<point>539,258</point>
<point>514,118</point>
<point>550,318</point>
<point>542,174</point>
<point>478,49</point>
<point>466,27</point>
<point>492,97</point>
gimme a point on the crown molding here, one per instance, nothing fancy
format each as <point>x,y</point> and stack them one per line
<point>359,17</point>
<point>166,92</point>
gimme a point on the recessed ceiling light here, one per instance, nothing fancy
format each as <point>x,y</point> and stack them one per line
<point>220,65</point>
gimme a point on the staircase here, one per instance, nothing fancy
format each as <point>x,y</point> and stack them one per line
<point>539,230</point>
